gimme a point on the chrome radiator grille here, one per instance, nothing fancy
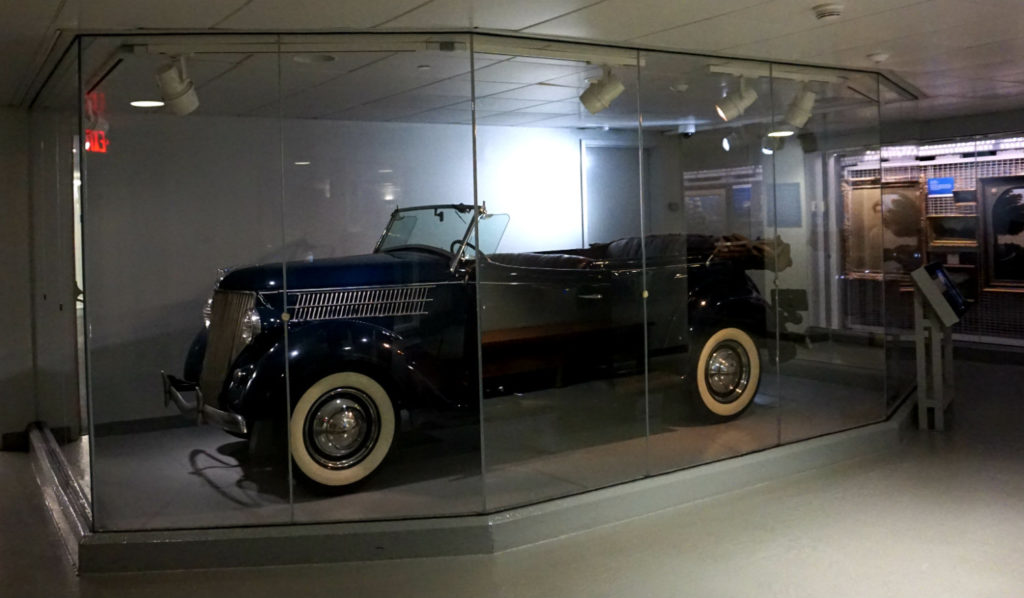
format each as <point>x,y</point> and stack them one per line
<point>224,342</point>
<point>361,303</point>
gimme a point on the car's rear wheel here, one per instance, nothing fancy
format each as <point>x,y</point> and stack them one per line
<point>341,428</point>
<point>727,373</point>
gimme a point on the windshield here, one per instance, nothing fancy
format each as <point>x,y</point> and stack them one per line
<point>442,227</point>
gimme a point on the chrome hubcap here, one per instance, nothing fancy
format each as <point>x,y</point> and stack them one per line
<point>342,428</point>
<point>727,371</point>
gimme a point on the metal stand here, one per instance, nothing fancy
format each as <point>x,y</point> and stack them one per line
<point>934,344</point>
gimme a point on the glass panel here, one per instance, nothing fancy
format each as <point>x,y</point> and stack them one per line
<point>378,203</point>
<point>561,299</point>
<point>173,194</point>
<point>829,208</point>
<point>58,307</point>
<point>710,333</point>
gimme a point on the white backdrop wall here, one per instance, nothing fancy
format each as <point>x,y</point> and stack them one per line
<point>174,199</point>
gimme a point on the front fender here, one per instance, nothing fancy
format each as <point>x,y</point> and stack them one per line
<point>317,349</point>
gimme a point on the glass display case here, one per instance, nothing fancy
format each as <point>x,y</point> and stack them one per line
<point>367,277</point>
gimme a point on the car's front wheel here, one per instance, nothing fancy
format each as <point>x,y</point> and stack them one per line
<point>728,372</point>
<point>341,428</point>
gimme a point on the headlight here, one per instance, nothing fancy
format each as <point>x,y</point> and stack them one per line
<point>251,326</point>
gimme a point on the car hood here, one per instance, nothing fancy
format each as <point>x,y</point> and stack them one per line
<point>376,269</point>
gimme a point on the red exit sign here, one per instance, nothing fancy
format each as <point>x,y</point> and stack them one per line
<point>96,141</point>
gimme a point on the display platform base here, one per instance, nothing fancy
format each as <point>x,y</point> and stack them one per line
<point>108,552</point>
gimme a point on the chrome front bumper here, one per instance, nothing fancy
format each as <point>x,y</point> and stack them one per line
<point>204,413</point>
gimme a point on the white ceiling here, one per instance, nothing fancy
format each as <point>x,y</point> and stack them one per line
<point>963,55</point>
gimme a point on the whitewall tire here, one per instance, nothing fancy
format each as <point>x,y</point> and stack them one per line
<point>341,429</point>
<point>728,372</point>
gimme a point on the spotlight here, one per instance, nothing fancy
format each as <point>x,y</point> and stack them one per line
<point>801,108</point>
<point>770,145</point>
<point>735,104</point>
<point>177,89</point>
<point>601,93</point>
<point>732,140</point>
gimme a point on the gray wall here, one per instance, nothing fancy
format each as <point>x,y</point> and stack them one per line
<point>16,381</point>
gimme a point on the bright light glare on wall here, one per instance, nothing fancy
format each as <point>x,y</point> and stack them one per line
<point>147,103</point>
<point>548,199</point>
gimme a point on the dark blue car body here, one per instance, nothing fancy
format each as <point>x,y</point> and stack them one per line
<point>420,320</point>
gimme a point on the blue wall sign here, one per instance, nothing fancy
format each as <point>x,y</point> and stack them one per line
<point>941,186</point>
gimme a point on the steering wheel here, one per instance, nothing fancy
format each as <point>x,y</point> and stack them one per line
<point>451,248</point>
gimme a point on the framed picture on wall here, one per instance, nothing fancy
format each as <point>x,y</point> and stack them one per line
<point>1002,206</point>
<point>882,228</point>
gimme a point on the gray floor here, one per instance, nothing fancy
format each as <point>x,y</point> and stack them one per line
<point>942,516</point>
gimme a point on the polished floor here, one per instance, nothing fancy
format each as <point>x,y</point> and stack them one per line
<point>941,516</point>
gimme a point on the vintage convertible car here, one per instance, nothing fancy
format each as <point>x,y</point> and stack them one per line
<point>358,339</point>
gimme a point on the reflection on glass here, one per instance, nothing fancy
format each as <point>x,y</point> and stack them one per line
<point>712,392</point>
<point>383,420</point>
<point>846,246</point>
<point>561,300</point>
<point>55,176</point>
<point>169,201</point>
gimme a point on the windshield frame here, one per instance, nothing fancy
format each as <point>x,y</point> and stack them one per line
<point>461,208</point>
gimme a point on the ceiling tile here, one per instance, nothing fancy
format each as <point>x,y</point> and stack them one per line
<point>945,86</point>
<point>974,57</point>
<point>873,29</point>
<point>567,107</point>
<point>462,85</point>
<point>618,20</point>
<point>132,14</point>
<point>313,14</point>
<point>485,14</point>
<point>444,115</point>
<point>513,118</point>
<point>493,104</point>
<point>394,108</point>
<point>541,92</point>
<point>515,71</point>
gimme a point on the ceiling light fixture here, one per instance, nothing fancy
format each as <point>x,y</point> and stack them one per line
<point>733,105</point>
<point>770,145</point>
<point>781,133</point>
<point>732,140</point>
<point>801,108</point>
<point>146,103</point>
<point>602,92</point>
<point>176,88</point>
